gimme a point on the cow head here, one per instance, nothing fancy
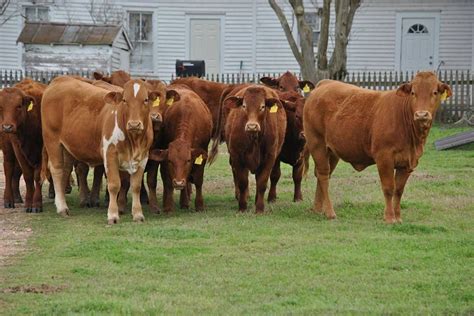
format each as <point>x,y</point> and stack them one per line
<point>134,104</point>
<point>14,105</point>
<point>426,93</point>
<point>180,158</point>
<point>255,102</point>
<point>294,104</point>
<point>117,78</point>
<point>165,97</point>
<point>288,82</point>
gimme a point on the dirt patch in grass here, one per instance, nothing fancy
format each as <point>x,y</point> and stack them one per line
<point>36,289</point>
<point>14,233</point>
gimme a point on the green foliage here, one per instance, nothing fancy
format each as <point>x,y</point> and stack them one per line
<point>286,261</point>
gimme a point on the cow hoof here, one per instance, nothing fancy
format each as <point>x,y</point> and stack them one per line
<point>144,200</point>
<point>84,204</point>
<point>18,199</point>
<point>51,195</point>
<point>331,216</point>
<point>154,210</point>
<point>399,221</point>
<point>28,210</point>
<point>272,199</point>
<point>95,203</point>
<point>184,207</point>
<point>9,205</point>
<point>68,189</point>
<point>36,210</point>
<point>121,211</point>
<point>139,218</point>
<point>112,221</point>
<point>298,199</point>
<point>64,213</point>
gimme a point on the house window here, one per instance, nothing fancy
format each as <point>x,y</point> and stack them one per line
<point>141,36</point>
<point>36,14</point>
<point>417,29</point>
<point>313,21</point>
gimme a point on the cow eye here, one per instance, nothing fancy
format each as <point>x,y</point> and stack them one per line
<point>244,106</point>
<point>413,93</point>
<point>146,100</point>
<point>435,92</point>
<point>262,107</point>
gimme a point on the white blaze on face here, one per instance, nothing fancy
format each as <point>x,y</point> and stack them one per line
<point>117,136</point>
<point>136,88</point>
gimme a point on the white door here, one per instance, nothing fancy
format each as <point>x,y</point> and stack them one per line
<point>418,44</point>
<point>205,43</point>
<point>125,60</point>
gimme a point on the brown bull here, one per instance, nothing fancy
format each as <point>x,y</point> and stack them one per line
<point>288,82</point>
<point>365,127</point>
<point>89,124</point>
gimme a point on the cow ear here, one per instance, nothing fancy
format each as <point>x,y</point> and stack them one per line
<point>172,94</point>
<point>97,75</point>
<point>272,102</point>
<point>153,95</point>
<point>158,155</point>
<point>306,85</point>
<point>28,102</point>
<point>233,102</point>
<point>443,87</point>
<point>289,105</point>
<point>196,152</point>
<point>404,90</point>
<point>270,82</point>
<point>113,97</point>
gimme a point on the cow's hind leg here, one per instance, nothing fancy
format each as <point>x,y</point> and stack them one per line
<point>167,189</point>
<point>113,186</point>
<point>37,206</point>
<point>297,178</point>
<point>322,160</point>
<point>274,177</point>
<point>16,183</point>
<point>8,168</point>
<point>122,195</point>
<point>401,177</point>
<point>387,179</point>
<point>198,177</point>
<point>59,174</point>
<point>151,179</point>
<point>82,170</point>
<point>96,184</point>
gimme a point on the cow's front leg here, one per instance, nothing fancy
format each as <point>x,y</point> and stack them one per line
<point>82,170</point>
<point>386,168</point>
<point>297,178</point>
<point>96,184</point>
<point>241,181</point>
<point>136,184</point>
<point>8,169</point>
<point>37,206</point>
<point>198,177</point>
<point>16,183</point>
<point>113,186</point>
<point>151,179</point>
<point>274,177</point>
<point>167,188</point>
<point>261,178</point>
<point>401,178</point>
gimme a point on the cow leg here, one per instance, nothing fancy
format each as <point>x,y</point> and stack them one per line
<point>151,179</point>
<point>113,186</point>
<point>58,169</point>
<point>167,189</point>
<point>143,193</point>
<point>242,184</point>
<point>8,169</point>
<point>68,188</point>
<point>82,170</point>
<point>261,178</point>
<point>136,180</point>
<point>274,177</point>
<point>323,171</point>
<point>37,206</point>
<point>16,183</point>
<point>401,178</point>
<point>122,196</point>
<point>28,175</point>
<point>198,177</point>
<point>96,184</point>
<point>51,188</point>
<point>387,179</point>
<point>297,178</point>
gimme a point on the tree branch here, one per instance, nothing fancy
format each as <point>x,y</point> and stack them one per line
<point>286,28</point>
<point>4,5</point>
<point>324,36</point>
<point>354,5</point>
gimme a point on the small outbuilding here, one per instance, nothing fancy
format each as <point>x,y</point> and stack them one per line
<point>75,47</point>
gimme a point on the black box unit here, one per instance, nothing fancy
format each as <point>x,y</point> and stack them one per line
<point>186,68</point>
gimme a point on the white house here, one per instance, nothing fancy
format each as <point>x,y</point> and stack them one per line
<point>245,36</point>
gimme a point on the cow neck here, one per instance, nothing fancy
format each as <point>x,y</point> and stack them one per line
<point>416,136</point>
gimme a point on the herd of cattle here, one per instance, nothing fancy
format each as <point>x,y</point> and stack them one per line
<point>126,127</point>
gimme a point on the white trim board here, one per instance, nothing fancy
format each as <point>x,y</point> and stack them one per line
<point>398,35</point>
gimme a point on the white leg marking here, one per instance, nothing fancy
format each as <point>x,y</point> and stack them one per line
<point>117,136</point>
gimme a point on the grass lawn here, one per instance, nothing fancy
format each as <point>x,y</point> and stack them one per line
<point>286,261</point>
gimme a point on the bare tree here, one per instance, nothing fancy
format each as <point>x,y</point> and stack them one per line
<point>4,17</point>
<point>105,12</point>
<point>335,67</point>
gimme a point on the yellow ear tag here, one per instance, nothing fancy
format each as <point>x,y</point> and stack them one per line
<point>306,89</point>
<point>198,160</point>
<point>444,96</point>
<point>274,108</point>
<point>170,101</point>
<point>30,106</point>
<point>156,102</point>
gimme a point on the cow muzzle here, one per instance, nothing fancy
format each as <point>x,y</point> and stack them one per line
<point>179,184</point>
<point>156,118</point>
<point>252,127</point>
<point>8,128</point>
<point>134,126</point>
<point>302,136</point>
<point>422,116</point>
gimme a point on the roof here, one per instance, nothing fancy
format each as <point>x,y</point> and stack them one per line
<point>70,34</point>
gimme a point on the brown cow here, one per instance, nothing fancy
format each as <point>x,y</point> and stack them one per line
<point>288,82</point>
<point>365,127</point>
<point>20,120</point>
<point>210,92</point>
<point>117,78</point>
<point>254,133</point>
<point>292,149</point>
<point>89,124</point>
<point>187,129</point>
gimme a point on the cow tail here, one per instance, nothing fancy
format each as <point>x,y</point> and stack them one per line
<point>217,137</point>
<point>45,172</point>
<point>305,161</point>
